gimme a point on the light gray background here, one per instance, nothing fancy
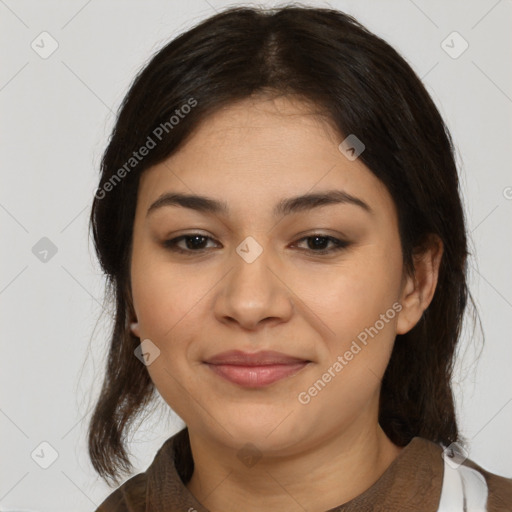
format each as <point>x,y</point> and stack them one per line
<point>56,116</point>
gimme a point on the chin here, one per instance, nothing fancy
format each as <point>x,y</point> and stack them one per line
<point>267,432</point>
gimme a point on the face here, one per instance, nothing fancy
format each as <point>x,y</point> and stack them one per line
<point>318,282</point>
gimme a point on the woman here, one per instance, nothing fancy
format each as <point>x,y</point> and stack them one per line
<point>279,218</point>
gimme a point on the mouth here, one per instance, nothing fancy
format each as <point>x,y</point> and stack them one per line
<point>255,370</point>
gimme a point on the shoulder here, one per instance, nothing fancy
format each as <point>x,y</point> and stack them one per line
<point>129,497</point>
<point>133,495</point>
<point>461,479</point>
<point>499,488</point>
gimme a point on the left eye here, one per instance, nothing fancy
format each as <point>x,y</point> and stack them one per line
<point>318,241</point>
<point>195,243</point>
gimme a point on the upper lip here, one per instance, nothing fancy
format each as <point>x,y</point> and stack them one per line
<point>265,357</point>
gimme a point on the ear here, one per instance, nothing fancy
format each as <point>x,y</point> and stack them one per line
<point>134,327</point>
<point>418,290</point>
<point>130,309</point>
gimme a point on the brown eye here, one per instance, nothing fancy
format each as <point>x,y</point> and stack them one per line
<point>194,242</point>
<point>317,243</point>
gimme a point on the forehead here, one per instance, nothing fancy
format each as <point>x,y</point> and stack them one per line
<point>258,151</point>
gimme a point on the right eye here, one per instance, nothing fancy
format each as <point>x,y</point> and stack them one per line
<point>194,241</point>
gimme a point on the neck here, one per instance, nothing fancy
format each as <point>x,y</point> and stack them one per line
<point>333,472</point>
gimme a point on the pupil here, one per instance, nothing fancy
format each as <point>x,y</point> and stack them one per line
<point>192,242</point>
<point>321,245</point>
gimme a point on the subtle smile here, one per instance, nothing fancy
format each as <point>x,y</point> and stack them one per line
<point>255,370</point>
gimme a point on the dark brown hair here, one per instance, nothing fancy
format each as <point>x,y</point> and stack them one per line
<point>365,88</point>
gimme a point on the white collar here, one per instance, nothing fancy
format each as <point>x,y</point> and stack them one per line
<point>464,489</point>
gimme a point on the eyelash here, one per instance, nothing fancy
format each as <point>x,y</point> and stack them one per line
<point>172,244</point>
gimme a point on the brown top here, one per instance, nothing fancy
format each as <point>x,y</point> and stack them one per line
<point>412,482</point>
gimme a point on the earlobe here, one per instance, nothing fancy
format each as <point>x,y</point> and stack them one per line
<point>407,317</point>
<point>134,327</point>
<point>420,288</point>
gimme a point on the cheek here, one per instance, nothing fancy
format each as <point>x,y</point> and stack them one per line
<point>164,302</point>
<point>360,314</point>
<point>358,290</point>
<point>360,306</point>
<point>162,296</point>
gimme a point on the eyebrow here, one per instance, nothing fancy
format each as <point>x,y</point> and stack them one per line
<point>284,207</point>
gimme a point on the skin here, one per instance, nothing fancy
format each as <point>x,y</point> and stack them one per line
<point>252,154</point>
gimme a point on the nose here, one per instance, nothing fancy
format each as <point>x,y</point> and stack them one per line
<point>254,291</point>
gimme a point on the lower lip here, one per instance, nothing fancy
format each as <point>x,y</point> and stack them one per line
<point>256,376</point>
